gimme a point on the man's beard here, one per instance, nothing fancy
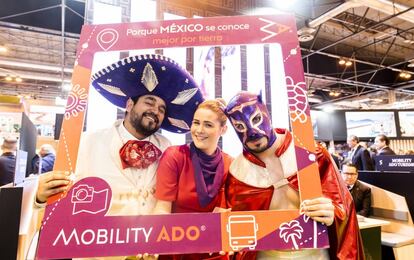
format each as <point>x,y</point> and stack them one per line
<point>136,121</point>
<point>258,148</point>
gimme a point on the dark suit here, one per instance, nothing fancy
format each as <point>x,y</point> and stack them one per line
<point>47,163</point>
<point>7,166</point>
<point>386,151</point>
<point>361,194</point>
<point>362,160</point>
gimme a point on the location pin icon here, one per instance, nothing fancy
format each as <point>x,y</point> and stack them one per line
<point>107,38</point>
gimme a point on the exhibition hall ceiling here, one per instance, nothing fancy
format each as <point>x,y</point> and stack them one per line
<point>373,38</point>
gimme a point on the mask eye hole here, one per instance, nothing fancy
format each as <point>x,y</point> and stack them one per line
<point>238,125</point>
<point>257,119</point>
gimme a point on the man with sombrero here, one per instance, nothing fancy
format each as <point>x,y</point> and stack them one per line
<point>156,93</point>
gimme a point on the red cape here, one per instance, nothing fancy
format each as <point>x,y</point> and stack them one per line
<point>243,197</point>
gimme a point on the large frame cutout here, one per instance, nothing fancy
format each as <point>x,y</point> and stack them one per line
<point>69,229</point>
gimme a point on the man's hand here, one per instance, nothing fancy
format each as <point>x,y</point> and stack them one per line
<point>51,183</point>
<point>147,256</point>
<point>320,209</point>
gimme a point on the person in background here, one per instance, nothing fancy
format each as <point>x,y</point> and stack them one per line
<point>382,143</point>
<point>264,177</point>
<point>372,151</point>
<point>191,178</point>
<point>44,161</point>
<point>8,160</point>
<point>361,193</point>
<point>359,156</point>
<point>331,151</point>
<point>335,156</point>
<point>364,144</point>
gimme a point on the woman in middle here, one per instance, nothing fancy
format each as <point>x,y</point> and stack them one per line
<point>191,178</point>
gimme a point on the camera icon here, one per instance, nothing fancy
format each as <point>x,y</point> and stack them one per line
<point>82,194</point>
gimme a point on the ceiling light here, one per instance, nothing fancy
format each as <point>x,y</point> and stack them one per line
<point>344,61</point>
<point>18,79</point>
<point>8,78</point>
<point>3,48</point>
<point>27,97</point>
<point>284,4</point>
<point>306,34</point>
<point>405,75</point>
<point>334,94</point>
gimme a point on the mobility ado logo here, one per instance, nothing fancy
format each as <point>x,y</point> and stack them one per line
<point>129,235</point>
<point>89,228</point>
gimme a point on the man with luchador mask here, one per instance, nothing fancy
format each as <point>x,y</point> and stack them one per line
<point>264,177</point>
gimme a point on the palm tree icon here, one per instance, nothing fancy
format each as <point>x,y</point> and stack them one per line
<point>290,231</point>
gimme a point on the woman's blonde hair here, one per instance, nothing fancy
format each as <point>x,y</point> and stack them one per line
<point>217,106</point>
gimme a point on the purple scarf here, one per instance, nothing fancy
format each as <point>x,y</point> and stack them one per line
<point>208,174</point>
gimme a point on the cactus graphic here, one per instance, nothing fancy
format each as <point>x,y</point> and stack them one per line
<point>290,231</point>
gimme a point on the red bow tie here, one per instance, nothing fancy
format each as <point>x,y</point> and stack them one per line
<point>138,154</point>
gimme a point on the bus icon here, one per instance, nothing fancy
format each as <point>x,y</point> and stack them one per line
<point>242,231</point>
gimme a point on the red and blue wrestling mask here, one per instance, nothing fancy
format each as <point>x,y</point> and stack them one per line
<point>251,120</point>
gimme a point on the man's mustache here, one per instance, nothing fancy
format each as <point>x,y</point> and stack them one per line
<point>255,137</point>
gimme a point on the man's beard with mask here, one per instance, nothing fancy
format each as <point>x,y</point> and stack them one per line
<point>136,121</point>
<point>260,147</point>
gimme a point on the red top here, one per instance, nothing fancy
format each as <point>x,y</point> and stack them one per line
<point>176,183</point>
<point>344,237</point>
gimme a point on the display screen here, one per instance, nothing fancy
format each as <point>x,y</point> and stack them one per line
<point>406,119</point>
<point>370,124</point>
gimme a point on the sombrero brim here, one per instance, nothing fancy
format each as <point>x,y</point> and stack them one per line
<point>152,74</point>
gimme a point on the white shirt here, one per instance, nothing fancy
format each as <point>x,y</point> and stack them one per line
<point>132,189</point>
<point>352,152</point>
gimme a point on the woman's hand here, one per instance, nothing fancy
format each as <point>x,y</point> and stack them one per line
<point>220,210</point>
<point>51,183</point>
<point>320,209</point>
<point>162,207</point>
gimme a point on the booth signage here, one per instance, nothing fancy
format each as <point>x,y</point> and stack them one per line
<point>396,163</point>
